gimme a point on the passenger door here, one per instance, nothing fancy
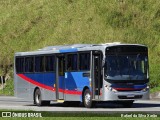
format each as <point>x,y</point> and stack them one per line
<point>60,69</point>
<point>97,74</point>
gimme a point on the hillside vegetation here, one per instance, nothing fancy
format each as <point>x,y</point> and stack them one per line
<point>27,25</point>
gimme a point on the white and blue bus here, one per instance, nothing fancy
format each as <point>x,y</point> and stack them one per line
<point>86,73</point>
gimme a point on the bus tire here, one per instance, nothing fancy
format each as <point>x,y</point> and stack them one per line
<point>87,99</point>
<point>38,99</point>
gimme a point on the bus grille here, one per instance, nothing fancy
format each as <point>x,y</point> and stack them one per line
<point>129,90</point>
<point>125,97</point>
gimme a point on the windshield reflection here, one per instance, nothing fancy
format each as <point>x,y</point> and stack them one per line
<point>126,67</point>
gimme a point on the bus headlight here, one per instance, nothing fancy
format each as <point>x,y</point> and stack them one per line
<point>145,89</point>
<point>110,88</point>
<point>114,90</point>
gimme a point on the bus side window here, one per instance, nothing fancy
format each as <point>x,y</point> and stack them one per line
<point>72,62</point>
<point>19,65</point>
<point>84,61</point>
<point>39,63</point>
<point>29,62</point>
<point>50,63</point>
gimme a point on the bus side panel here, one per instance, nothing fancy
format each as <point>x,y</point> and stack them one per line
<point>22,88</point>
<point>49,80</point>
<point>74,84</point>
<point>44,81</point>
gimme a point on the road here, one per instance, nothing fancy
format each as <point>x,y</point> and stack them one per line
<point>13,103</point>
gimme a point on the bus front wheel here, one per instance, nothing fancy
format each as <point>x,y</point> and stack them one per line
<point>87,99</point>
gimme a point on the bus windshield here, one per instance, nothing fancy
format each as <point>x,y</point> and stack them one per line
<point>126,67</point>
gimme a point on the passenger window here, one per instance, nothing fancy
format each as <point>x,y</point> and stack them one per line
<point>84,61</point>
<point>29,62</point>
<point>50,63</point>
<point>39,63</point>
<point>71,62</point>
<point>19,65</point>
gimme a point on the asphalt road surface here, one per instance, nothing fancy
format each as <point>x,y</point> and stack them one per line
<point>13,103</point>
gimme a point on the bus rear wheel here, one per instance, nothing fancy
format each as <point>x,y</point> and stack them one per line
<point>87,99</point>
<point>38,99</point>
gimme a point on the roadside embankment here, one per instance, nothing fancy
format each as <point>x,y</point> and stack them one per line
<point>155,96</point>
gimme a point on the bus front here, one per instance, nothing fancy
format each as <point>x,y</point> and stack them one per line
<point>126,73</point>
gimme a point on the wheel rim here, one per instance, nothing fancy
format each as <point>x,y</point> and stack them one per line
<point>87,98</point>
<point>37,98</point>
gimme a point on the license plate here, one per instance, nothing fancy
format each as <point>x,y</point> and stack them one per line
<point>130,96</point>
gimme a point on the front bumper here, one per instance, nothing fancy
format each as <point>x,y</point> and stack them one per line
<point>125,95</point>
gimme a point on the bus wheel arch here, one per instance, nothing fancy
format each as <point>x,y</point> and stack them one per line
<point>37,96</point>
<point>34,94</point>
<point>83,92</point>
<point>87,98</point>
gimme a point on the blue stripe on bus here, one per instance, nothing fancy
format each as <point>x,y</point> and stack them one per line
<point>68,50</point>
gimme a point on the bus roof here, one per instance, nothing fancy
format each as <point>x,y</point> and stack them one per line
<point>72,48</point>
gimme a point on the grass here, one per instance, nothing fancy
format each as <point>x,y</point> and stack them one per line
<point>155,89</point>
<point>9,88</point>
<point>29,25</point>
